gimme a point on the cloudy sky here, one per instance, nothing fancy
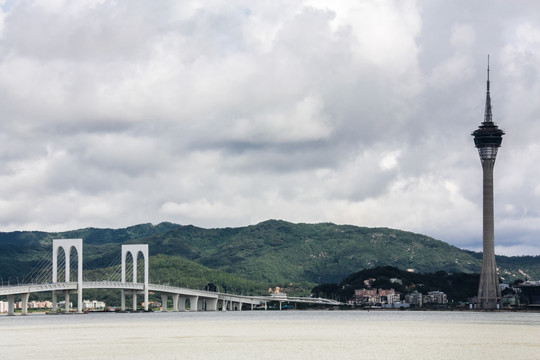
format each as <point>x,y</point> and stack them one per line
<point>230,112</point>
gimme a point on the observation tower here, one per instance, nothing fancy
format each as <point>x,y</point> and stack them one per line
<point>488,138</point>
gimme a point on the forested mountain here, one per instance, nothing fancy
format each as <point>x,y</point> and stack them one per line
<point>273,252</point>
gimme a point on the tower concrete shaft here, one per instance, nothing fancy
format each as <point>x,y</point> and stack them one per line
<point>489,293</point>
<point>488,139</point>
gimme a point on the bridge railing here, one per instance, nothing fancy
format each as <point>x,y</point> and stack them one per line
<point>183,291</point>
<point>105,284</point>
<point>30,288</point>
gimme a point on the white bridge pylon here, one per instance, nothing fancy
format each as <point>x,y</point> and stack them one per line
<point>67,245</point>
<point>134,250</point>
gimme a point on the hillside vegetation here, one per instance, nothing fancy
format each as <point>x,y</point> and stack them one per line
<point>252,258</point>
<point>457,286</point>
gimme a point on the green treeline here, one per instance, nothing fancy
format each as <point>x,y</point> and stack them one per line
<point>457,286</point>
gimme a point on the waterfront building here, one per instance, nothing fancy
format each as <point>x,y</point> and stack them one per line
<point>435,297</point>
<point>375,296</point>
<point>415,298</point>
<point>393,298</point>
<point>531,293</point>
<point>93,305</point>
<point>510,300</point>
<point>366,296</point>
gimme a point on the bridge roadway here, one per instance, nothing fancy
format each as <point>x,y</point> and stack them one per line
<point>199,300</point>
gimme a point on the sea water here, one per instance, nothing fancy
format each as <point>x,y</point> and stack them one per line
<point>273,335</point>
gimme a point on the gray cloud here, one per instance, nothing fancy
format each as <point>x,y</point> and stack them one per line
<point>228,113</point>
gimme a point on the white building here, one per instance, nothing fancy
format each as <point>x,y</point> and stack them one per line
<point>435,297</point>
<point>393,298</point>
<point>414,298</point>
<point>93,305</point>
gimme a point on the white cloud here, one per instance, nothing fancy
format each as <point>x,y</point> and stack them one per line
<point>463,36</point>
<point>226,113</point>
<point>389,161</point>
<point>304,121</point>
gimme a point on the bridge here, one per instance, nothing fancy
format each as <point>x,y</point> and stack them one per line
<point>198,300</point>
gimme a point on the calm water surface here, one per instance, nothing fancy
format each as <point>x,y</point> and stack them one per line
<point>273,335</point>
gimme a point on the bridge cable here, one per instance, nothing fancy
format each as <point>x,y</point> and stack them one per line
<point>36,270</point>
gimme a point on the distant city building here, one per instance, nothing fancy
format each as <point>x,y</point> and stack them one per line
<point>393,298</point>
<point>369,282</point>
<point>397,305</point>
<point>3,306</point>
<point>388,296</point>
<point>366,296</point>
<point>62,304</point>
<point>414,298</point>
<point>510,300</point>
<point>93,305</point>
<point>376,296</point>
<point>435,297</point>
<point>531,293</point>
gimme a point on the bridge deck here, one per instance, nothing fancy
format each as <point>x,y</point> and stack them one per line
<point>164,289</point>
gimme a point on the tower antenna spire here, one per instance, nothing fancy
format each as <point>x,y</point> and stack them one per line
<point>488,116</point>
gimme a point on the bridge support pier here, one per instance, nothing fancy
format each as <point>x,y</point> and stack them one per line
<point>193,303</point>
<point>211,304</point>
<point>145,295</point>
<point>54,302</point>
<point>134,300</point>
<point>11,305</point>
<point>201,304</point>
<point>182,303</point>
<point>66,305</point>
<point>175,298</point>
<point>164,299</point>
<point>24,301</point>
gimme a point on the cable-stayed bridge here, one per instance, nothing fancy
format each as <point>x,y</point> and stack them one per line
<point>45,278</point>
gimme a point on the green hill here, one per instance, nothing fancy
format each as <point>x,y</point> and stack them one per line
<point>273,252</point>
<point>279,252</point>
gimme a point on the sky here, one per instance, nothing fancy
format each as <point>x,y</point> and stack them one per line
<point>226,113</point>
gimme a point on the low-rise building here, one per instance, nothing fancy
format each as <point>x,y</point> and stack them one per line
<point>435,297</point>
<point>39,304</point>
<point>93,305</point>
<point>510,300</point>
<point>415,298</point>
<point>375,296</point>
<point>393,298</point>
